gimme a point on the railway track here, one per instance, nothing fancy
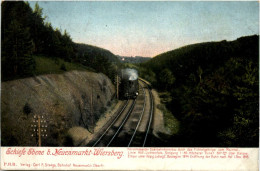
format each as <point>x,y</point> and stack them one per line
<point>140,139</point>
<point>131,124</point>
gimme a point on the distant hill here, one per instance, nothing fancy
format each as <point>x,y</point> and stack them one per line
<point>136,59</point>
<point>84,49</point>
<point>213,89</point>
<point>99,59</point>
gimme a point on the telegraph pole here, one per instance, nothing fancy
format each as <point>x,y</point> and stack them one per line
<point>39,131</point>
<point>117,81</point>
<point>91,110</point>
<point>117,86</point>
<point>39,128</point>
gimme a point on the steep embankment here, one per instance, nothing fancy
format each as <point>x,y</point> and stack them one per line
<point>63,100</point>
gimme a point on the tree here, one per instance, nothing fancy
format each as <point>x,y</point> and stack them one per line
<point>37,29</point>
<point>17,51</point>
<point>67,46</point>
<point>166,79</point>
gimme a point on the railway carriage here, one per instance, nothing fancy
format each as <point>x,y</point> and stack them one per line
<point>129,87</point>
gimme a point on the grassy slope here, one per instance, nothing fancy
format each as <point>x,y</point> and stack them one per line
<point>46,65</point>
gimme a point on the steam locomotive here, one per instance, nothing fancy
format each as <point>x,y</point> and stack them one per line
<point>128,87</point>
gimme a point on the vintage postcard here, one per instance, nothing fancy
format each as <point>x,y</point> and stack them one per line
<point>130,85</point>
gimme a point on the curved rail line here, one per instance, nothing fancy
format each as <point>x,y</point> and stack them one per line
<point>122,124</point>
<point>151,114</point>
<point>119,114</point>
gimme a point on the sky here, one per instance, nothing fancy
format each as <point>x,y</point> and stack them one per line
<point>150,28</point>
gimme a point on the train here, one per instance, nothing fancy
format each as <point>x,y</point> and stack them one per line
<point>128,87</point>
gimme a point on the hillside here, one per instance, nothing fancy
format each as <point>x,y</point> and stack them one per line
<point>93,51</point>
<point>63,100</point>
<point>45,73</point>
<point>207,55</point>
<point>212,88</point>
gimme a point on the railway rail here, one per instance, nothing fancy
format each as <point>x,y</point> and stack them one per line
<point>151,112</point>
<point>131,125</point>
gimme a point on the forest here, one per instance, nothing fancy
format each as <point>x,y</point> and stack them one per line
<point>28,38</point>
<point>213,90</point>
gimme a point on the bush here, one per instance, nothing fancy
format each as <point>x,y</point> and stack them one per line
<point>63,67</point>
